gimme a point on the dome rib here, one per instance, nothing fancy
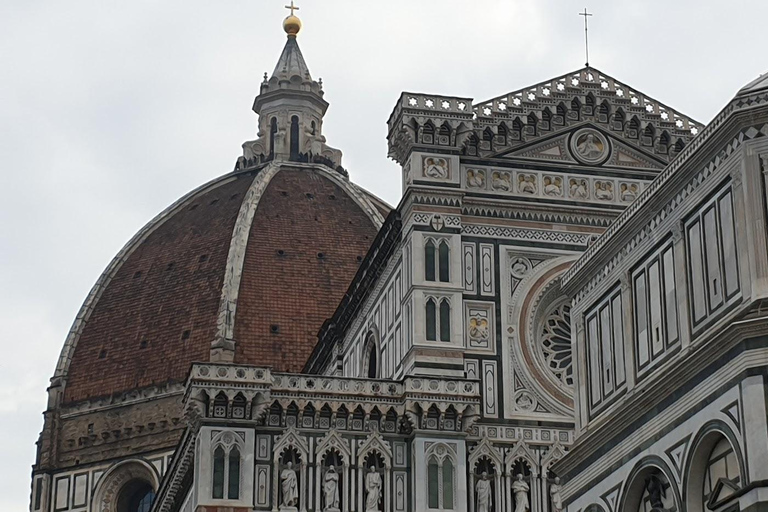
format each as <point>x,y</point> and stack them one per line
<point>223,346</point>
<point>176,287</point>
<point>83,315</point>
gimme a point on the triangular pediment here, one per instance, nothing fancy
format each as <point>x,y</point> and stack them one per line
<point>566,147</point>
<point>533,120</point>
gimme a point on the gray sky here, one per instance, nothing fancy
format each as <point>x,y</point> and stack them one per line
<point>110,111</point>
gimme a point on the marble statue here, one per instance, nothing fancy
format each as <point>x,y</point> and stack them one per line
<point>520,490</point>
<point>331,490</point>
<point>656,492</point>
<point>483,492</point>
<point>554,495</point>
<point>289,482</point>
<point>372,490</point>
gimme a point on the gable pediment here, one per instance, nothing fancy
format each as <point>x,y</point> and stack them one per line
<point>565,146</point>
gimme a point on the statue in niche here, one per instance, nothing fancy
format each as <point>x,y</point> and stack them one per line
<point>526,184</point>
<point>483,491</point>
<point>331,489</point>
<point>628,192</point>
<point>604,190</point>
<point>554,495</point>
<point>280,140</point>
<point>475,178</point>
<point>289,483</point>
<point>436,168</point>
<point>520,490</point>
<point>553,186</point>
<point>372,490</point>
<point>589,147</point>
<point>656,492</point>
<point>501,181</point>
<point>579,188</point>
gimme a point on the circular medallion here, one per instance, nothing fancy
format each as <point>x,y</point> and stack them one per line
<point>589,146</point>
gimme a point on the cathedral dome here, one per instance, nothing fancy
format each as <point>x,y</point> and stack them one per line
<point>257,257</point>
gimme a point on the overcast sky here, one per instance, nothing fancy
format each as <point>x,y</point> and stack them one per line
<point>110,111</point>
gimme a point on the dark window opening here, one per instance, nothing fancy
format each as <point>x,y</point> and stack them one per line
<point>137,274</point>
<point>274,329</point>
<point>102,354</point>
<point>170,266</point>
<point>143,344</point>
<point>185,336</point>
<point>272,133</point>
<point>203,258</point>
<point>294,138</point>
<point>372,363</point>
<point>429,261</point>
<point>137,496</point>
<point>444,263</point>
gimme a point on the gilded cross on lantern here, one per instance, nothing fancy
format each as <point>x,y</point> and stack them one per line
<point>294,8</point>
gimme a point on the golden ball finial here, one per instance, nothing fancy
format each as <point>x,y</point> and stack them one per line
<point>292,25</point>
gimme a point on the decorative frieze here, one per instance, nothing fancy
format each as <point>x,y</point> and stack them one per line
<point>550,185</point>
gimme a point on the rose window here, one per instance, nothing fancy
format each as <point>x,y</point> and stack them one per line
<point>556,343</point>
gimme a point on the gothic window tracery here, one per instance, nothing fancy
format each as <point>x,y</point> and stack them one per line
<point>555,343</point>
<point>438,319</point>
<point>441,478</point>
<point>437,259</point>
<point>226,466</point>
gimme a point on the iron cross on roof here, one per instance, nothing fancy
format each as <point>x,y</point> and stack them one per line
<point>294,8</point>
<point>586,37</point>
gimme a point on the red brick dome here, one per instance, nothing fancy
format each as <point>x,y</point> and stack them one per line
<point>258,257</point>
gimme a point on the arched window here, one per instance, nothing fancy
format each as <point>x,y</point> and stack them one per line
<point>372,364</point>
<point>429,261</point>
<point>447,484</point>
<point>444,262</point>
<point>438,320</point>
<point>234,474</point>
<point>226,468</point>
<point>723,469</point>
<point>441,479</point>
<point>431,320</point>
<point>137,496</point>
<point>294,138</point>
<point>218,473</point>
<point>437,261</point>
<point>445,320</point>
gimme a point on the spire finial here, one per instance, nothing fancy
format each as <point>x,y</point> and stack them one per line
<point>292,24</point>
<point>586,37</point>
